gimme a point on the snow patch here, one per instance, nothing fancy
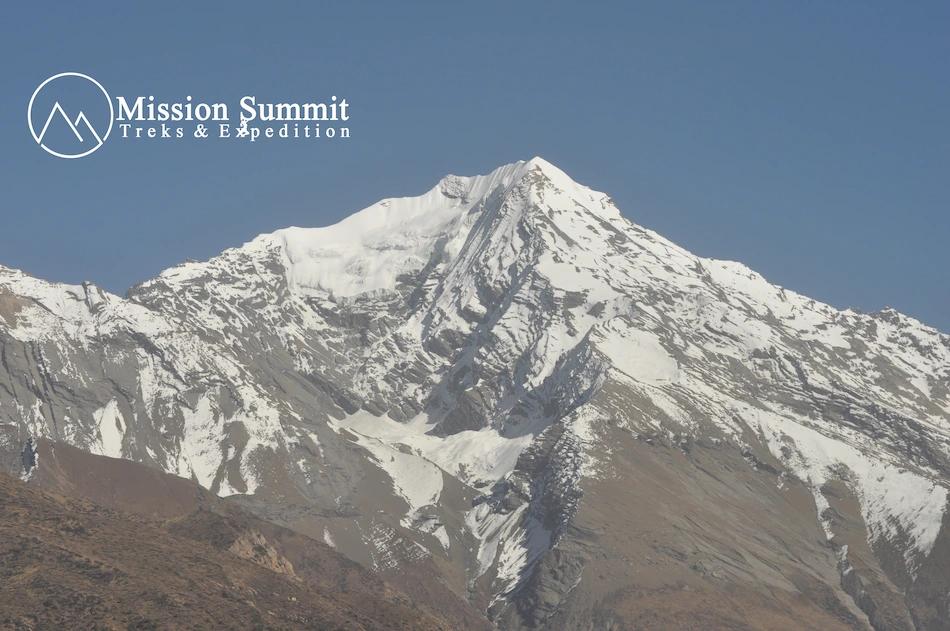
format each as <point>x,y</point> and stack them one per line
<point>476,457</point>
<point>111,429</point>
<point>637,353</point>
<point>893,499</point>
<point>414,478</point>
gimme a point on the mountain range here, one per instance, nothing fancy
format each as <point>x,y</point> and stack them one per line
<point>520,410</point>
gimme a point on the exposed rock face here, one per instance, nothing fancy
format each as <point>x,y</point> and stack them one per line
<point>505,392</point>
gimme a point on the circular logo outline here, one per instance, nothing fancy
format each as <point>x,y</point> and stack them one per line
<point>102,140</point>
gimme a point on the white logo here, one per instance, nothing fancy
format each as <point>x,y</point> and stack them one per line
<point>80,137</point>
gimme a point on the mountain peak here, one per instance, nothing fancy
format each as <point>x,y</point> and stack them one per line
<point>549,169</point>
<point>370,249</point>
<point>460,378</point>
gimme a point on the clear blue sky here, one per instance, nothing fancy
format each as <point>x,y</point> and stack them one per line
<point>809,140</point>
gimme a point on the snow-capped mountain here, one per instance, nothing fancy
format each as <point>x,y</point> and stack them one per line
<point>503,392</point>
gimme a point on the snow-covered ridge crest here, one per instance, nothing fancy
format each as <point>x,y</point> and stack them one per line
<point>369,250</point>
<point>32,309</point>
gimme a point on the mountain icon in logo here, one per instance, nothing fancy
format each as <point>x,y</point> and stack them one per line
<point>80,122</point>
<point>62,135</point>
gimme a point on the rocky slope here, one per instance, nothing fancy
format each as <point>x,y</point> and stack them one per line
<point>504,394</point>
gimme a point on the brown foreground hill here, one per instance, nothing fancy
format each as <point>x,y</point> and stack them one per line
<point>186,560</point>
